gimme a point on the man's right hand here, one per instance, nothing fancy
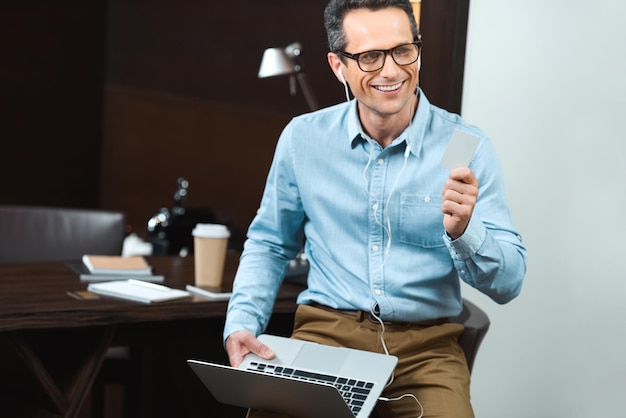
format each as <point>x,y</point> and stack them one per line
<point>241,343</point>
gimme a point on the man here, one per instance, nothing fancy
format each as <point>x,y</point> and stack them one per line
<point>388,231</point>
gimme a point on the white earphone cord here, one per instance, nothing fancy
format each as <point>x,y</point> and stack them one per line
<point>406,395</point>
<point>407,151</point>
<point>387,229</point>
<point>345,84</point>
<point>391,378</point>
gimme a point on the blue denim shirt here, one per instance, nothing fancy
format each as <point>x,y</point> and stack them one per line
<point>373,223</point>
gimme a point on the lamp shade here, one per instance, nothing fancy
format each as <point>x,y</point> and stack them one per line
<point>276,62</point>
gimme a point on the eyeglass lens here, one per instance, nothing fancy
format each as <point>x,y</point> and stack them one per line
<point>374,60</point>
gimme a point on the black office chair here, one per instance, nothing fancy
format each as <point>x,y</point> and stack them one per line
<point>32,234</point>
<point>37,234</point>
<point>476,324</point>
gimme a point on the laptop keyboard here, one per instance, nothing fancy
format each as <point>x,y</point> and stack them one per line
<point>354,392</point>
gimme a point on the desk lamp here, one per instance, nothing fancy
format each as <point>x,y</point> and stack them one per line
<point>288,61</point>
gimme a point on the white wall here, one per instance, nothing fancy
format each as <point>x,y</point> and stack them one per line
<point>546,80</point>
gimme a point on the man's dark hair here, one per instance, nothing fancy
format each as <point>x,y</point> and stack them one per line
<point>336,10</point>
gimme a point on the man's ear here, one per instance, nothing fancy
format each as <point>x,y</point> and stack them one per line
<point>335,64</point>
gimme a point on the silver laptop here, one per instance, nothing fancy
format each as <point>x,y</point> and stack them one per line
<point>304,380</point>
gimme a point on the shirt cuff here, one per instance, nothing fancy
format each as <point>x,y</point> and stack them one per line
<point>238,320</point>
<point>467,244</point>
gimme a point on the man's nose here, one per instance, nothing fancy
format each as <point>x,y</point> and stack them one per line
<point>390,68</point>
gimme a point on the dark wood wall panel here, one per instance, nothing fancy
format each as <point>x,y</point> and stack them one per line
<point>444,30</point>
<point>152,139</point>
<point>51,80</point>
<point>212,49</point>
<point>183,94</point>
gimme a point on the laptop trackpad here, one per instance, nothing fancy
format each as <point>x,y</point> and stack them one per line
<point>310,357</point>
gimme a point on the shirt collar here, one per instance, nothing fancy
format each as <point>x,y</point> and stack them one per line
<point>415,132</point>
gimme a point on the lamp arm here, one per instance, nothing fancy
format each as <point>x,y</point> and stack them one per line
<point>305,85</point>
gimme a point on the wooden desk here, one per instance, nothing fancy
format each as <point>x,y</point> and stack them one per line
<point>62,341</point>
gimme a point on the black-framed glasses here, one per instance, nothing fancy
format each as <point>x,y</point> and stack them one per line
<point>374,60</point>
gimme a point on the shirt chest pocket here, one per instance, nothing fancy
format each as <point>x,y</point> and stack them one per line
<point>421,220</point>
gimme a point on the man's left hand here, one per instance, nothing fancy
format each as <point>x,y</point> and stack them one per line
<point>459,198</point>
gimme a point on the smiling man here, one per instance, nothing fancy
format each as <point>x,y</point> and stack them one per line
<point>389,232</point>
<point>385,89</point>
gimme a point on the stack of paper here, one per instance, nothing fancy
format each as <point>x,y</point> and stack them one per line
<point>107,268</point>
<point>137,290</point>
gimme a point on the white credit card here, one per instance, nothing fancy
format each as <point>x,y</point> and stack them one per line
<point>460,150</point>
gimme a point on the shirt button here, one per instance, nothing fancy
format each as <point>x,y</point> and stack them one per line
<point>378,292</point>
<point>426,199</point>
<point>375,248</point>
<point>380,161</point>
<point>375,206</point>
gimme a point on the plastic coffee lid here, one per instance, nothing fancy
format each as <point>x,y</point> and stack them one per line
<point>211,231</point>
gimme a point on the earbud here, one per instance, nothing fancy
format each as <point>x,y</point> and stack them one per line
<point>345,84</point>
<point>419,62</point>
<point>343,80</point>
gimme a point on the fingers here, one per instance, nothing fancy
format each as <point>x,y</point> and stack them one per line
<point>460,189</point>
<point>464,175</point>
<point>459,197</point>
<point>241,343</point>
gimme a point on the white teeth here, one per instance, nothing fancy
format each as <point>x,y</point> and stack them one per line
<point>389,88</point>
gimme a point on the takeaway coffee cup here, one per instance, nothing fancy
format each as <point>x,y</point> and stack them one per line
<point>210,242</point>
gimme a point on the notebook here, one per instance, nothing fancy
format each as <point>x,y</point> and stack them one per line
<point>137,290</point>
<point>304,379</point>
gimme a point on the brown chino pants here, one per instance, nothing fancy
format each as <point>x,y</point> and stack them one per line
<point>431,364</point>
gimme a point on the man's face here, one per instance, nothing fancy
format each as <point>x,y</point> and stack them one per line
<point>390,90</point>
